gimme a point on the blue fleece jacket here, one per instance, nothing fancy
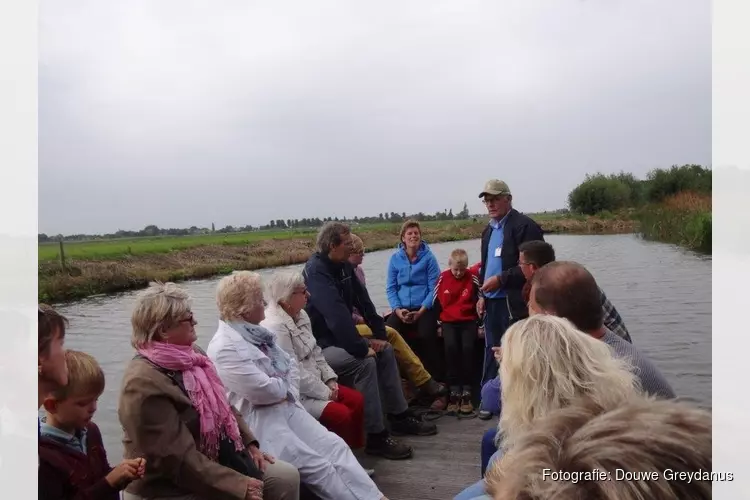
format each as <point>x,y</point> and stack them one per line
<point>410,285</point>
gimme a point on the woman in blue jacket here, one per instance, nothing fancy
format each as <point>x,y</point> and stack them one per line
<point>413,273</point>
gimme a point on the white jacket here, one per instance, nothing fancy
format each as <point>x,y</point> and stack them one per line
<point>245,370</point>
<point>271,407</point>
<point>297,339</point>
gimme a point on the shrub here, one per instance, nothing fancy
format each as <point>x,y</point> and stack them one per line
<point>599,193</point>
<point>662,183</point>
<point>637,188</point>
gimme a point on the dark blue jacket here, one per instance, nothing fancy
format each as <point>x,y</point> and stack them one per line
<point>518,228</point>
<point>334,292</point>
<point>410,285</point>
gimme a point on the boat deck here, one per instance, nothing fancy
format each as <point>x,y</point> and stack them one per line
<point>442,465</point>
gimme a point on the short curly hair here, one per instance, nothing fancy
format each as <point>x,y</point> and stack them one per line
<point>239,294</point>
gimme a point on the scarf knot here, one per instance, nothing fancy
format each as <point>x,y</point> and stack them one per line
<point>205,390</point>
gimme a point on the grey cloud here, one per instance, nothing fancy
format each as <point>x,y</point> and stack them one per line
<point>236,113</point>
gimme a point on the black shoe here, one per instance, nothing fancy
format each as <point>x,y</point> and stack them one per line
<point>412,426</point>
<point>389,448</point>
<point>484,415</point>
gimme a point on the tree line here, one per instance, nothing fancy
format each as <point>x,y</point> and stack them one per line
<point>279,224</point>
<point>609,193</point>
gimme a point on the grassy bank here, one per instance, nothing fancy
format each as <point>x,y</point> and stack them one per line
<point>107,266</point>
<point>683,219</point>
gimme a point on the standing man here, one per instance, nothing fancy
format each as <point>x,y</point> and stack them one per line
<point>500,278</point>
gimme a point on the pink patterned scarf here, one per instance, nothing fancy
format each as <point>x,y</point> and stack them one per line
<point>206,391</point>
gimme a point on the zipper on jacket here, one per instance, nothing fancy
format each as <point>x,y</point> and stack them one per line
<point>411,286</point>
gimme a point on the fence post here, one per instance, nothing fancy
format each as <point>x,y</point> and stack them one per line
<point>62,256</point>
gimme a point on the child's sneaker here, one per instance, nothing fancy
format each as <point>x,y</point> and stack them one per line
<point>453,404</point>
<point>466,407</point>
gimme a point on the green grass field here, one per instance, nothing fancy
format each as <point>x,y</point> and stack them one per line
<point>108,249</point>
<point>117,248</point>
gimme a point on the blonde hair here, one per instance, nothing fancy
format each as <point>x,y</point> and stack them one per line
<point>639,435</point>
<point>459,256</point>
<point>358,246</point>
<point>85,377</point>
<point>239,294</point>
<point>158,306</point>
<point>547,363</point>
<point>282,284</point>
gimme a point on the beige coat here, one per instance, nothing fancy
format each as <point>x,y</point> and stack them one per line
<point>161,425</point>
<point>297,339</point>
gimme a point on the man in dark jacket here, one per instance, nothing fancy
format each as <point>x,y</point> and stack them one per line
<point>501,278</point>
<point>369,365</point>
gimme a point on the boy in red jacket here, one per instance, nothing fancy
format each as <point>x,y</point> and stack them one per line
<point>72,460</point>
<point>457,292</point>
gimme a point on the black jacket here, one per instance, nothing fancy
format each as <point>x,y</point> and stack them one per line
<point>334,292</point>
<point>518,229</point>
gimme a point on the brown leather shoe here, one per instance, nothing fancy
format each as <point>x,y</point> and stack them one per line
<point>439,404</point>
<point>433,388</point>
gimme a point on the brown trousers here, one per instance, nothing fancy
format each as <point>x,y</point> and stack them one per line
<point>281,482</point>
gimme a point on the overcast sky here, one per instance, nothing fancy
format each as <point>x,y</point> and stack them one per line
<point>181,113</point>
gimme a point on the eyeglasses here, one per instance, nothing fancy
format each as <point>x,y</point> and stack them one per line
<point>190,319</point>
<point>300,292</point>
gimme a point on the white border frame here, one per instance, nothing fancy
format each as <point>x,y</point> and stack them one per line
<point>731,233</point>
<point>18,216</point>
<point>18,247</point>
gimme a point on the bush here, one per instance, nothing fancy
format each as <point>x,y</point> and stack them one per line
<point>662,183</point>
<point>637,188</point>
<point>599,193</point>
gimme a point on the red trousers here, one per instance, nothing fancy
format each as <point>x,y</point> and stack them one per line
<point>346,417</point>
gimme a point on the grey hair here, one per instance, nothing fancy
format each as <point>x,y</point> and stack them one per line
<point>282,284</point>
<point>158,306</point>
<point>331,235</point>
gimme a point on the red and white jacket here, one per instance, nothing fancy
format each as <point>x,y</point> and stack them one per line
<point>457,298</point>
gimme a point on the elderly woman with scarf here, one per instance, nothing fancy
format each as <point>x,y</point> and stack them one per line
<point>263,383</point>
<point>340,409</point>
<point>174,412</point>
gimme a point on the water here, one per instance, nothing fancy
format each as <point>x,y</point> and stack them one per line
<point>662,292</point>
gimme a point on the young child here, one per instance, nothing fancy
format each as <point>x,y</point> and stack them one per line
<point>456,293</point>
<point>73,463</point>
